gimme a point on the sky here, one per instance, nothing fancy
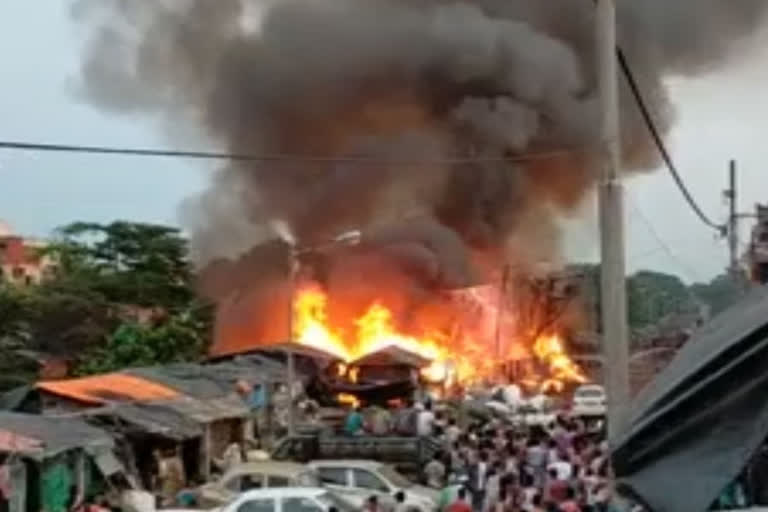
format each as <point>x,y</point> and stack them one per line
<point>722,115</point>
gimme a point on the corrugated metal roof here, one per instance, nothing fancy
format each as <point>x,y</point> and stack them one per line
<point>111,387</point>
<point>152,418</point>
<point>55,434</point>
<point>207,411</point>
<point>392,355</point>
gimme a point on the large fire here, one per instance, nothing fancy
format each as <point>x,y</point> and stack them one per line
<point>465,360</point>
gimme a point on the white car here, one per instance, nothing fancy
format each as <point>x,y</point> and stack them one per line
<point>256,475</point>
<point>357,480</point>
<point>288,499</point>
<point>589,400</point>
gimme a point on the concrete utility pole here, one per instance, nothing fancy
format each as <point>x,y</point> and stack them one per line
<point>733,223</point>
<point>500,311</point>
<point>611,209</point>
<point>348,238</point>
<point>291,377</point>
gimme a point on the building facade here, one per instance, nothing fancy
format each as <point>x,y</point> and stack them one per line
<point>22,260</point>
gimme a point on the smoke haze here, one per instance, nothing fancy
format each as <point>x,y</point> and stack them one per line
<point>387,99</point>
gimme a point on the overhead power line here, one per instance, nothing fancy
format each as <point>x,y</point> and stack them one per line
<point>659,141</point>
<point>692,273</point>
<point>213,155</point>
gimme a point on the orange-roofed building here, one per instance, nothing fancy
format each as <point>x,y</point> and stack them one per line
<point>108,388</point>
<point>21,259</point>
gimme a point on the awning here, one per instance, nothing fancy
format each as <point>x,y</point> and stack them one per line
<point>152,418</point>
<point>42,436</point>
<point>207,411</point>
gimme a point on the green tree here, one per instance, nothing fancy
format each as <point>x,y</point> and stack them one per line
<point>181,337</point>
<point>652,296</point>
<point>719,294</point>
<point>120,295</point>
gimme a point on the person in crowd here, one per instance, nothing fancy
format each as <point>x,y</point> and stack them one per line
<point>563,468</point>
<point>492,487</point>
<point>406,419</point>
<point>450,492</point>
<point>372,504</point>
<point>460,504</point>
<point>400,505</point>
<point>528,491</point>
<point>435,472</point>
<point>536,458</point>
<point>380,421</point>
<point>570,504</point>
<point>426,421</point>
<point>537,503</point>
<point>452,432</point>
<point>353,423</point>
<point>478,479</point>
<point>555,489</point>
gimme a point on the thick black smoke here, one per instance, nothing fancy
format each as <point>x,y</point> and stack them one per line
<point>385,98</point>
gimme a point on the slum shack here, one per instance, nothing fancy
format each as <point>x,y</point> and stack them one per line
<point>51,464</point>
<point>389,374</point>
<point>153,418</point>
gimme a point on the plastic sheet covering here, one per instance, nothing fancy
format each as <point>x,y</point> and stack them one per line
<point>698,423</point>
<point>56,481</point>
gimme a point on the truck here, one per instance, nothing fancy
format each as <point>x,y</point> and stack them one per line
<point>407,454</point>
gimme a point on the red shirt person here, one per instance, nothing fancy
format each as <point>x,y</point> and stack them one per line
<point>460,504</point>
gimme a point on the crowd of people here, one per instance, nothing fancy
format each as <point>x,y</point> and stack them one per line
<point>493,466</point>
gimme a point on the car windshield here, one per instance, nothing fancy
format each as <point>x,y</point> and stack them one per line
<point>308,479</point>
<point>394,477</point>
<point>331,500</point>
<point>590,393</point>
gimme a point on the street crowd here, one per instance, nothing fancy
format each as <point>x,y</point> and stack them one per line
<point>493,466</point>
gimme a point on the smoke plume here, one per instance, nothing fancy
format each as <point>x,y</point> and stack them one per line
<point>477,118</point>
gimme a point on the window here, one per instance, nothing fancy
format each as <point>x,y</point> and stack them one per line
<point>260,505</point>
<point>278,481</point>
<point>333,476</point>
<point>308,479</point>
<point>300,505</point>
<point>242,483</point>
<point>17,272</point>
<point>367,480</point>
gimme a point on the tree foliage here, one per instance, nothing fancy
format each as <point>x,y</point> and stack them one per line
<point>652,296</point>
<point>719,294</point>
<point>120,295</point>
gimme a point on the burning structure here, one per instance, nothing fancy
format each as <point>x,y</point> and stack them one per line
<point>454,133</point>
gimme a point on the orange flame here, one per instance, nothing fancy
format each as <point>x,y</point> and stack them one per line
<point>464,360</point>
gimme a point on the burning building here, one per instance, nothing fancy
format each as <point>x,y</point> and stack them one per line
<point>454,134</point>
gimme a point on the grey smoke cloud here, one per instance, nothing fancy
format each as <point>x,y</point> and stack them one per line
<point>393,80</point>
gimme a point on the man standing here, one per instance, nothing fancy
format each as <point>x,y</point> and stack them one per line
<point>435,472</point>
<point>353,424</point>
<point>478,476</point>
<point>425,422</point>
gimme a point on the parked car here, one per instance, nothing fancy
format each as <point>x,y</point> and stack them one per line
<point>256,475</point>
<point>357,480</point>
<point>589,400</point>
<point>288,499</point>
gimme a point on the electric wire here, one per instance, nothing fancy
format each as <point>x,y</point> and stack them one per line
<point>277,157</point>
